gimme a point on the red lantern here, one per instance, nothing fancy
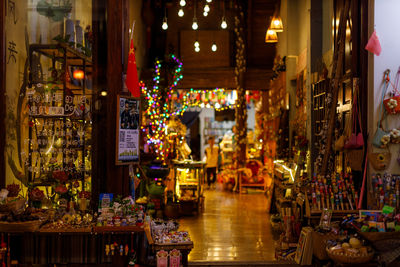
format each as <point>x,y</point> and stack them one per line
<point>78,74</point>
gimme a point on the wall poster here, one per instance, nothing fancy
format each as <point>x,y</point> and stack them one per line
<point>128,128</point>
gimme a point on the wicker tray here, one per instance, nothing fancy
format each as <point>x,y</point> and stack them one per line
<point>13,205</point>
<point>345,259</point>
<point>30,226</point>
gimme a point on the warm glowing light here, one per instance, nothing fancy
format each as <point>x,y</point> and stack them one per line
<point>271,36</point>
<point>205,14</point>
<point>78,74</point>
<point>209,1</point>
<point>197,49</point>
<point>276,24</point>
<point>206,8</point>
<point>195,26</point>
<point>181,13</point>
<point>182,3</point>
<point>196,44</point>
<point>103,93</point>
<point>165,24</point>
<point>214,47</point>
<point>224,25</point>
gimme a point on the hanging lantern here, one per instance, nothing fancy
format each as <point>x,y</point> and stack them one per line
<point>271,36</point>
<point>276,24</point>
<point>78,74</point>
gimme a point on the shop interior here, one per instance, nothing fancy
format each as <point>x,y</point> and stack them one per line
<point>198,133</point>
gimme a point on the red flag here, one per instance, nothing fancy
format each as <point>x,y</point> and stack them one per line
<point>132,80</point>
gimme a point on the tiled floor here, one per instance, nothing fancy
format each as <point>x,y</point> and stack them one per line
<point>233,227</point>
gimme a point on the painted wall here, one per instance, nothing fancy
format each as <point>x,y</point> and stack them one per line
<point>296,21</point>
<point>386,21</point>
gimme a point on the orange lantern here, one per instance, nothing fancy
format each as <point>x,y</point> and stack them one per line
<point>78,74</point>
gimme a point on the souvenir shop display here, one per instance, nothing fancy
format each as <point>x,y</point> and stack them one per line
<point>166,232</point>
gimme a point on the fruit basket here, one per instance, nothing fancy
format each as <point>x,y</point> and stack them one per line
<point>13,205</point>
<point>344,258</point>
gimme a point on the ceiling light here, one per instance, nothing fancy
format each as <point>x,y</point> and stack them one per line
<point>205,14</point>
<point>165,24</point>
<point>271,36</point>
<point>195,26</point>
<point>181,13</point>
<point>224,25</point>
<point>276,24</point>
<point>214,47</point>
<point>182,3</point>
<point>206,8</point>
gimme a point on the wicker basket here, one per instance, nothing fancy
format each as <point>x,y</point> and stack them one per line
<point>13,205</point>
<point>319,243</point>
<point>30,226</point>
<point>347,259</point>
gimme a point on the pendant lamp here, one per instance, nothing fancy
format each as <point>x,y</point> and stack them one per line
<point>271,36</point>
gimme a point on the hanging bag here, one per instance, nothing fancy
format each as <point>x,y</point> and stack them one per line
<point>381,137</point>
<point>356,140</point>
<point>339,143</point>
<point>380,161</point>
<point>392,103</point>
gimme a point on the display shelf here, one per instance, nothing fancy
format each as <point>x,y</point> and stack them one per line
<point>118,229</point>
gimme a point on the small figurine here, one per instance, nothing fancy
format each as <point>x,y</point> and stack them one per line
<point>126,250</point>
<point>121,250</point>
<point>107,250</point>
<point>112,249</point>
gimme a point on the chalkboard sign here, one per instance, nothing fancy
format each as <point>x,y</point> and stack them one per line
<point>128,130</point>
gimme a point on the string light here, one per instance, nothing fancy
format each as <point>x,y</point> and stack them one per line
<point>205,14</point>
<point>182,3</point>
<point>181,13</point>
<point>209,1</point>
<point>195,26</point>
<point>214,47</point>
<point>206,8</point>
<point>165,24</point>
<point>224,25</point>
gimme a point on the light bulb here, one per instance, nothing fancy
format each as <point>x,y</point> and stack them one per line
<point>224,24</point>
<point>195,26</point>
<point>214,47</point>
<point>182,3</point>
<point>197,49</point>
<point>196,44</point>
<point>217,105</point>
<point>208,106</point>
<point>181,13</point>
<point>206,8</point>
<point>205,14</point>
<point>209,1</point>
<point>165,25</point>
<point>202,105</point>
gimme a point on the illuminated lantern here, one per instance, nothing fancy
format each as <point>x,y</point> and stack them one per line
<point>78,74</point>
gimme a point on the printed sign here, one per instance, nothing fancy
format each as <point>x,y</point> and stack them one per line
<point>128,128</point>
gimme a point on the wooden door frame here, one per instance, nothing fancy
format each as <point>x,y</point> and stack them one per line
<point>2,95</point>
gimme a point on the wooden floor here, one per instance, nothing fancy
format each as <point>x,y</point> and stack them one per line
<point>232,227</point>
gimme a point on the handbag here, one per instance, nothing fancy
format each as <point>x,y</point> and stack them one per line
<point>380,160</point>
<point>381,137</point>
<point>392,104</point>
<point>355,159</point>
<point>356,140</point>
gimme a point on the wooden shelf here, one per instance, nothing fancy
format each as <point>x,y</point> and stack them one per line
<point>118,229</point>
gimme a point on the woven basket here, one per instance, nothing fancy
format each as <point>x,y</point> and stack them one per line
<point>319,244</point>
<point>13,205</point>
<point>346,259</point>
<point>30,226</point>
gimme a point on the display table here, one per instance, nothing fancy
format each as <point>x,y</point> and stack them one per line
<point>79,246</point>
<point>188,176</point>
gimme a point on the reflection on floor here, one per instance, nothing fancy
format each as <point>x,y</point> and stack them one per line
<point>232,227</point>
